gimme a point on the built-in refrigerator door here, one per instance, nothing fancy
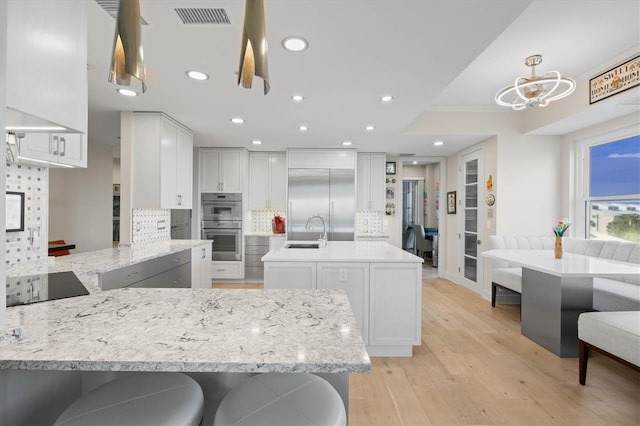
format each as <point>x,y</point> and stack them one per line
<point>342,205</point>
<point>308,196</point>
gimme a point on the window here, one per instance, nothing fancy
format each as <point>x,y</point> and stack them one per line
<point>611,180</point>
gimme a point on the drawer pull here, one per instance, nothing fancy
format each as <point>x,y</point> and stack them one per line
<point>133,273</point>
<point>220,270</point>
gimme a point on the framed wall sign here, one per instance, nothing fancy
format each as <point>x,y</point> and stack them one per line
<point>451,202</point>
<point>616,80</point>
<point>15,211</point>
<point>391,167</point>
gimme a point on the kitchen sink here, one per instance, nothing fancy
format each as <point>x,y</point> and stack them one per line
<point>303,245</point>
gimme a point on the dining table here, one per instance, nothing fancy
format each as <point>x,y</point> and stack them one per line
<point>556,291</point>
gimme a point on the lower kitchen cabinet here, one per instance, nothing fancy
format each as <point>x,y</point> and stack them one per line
<point>354,279</point>
<point>226,270</point>
<point>173,270</point>
<point>290,275</point>
<point>201,267</point>
<point>255,246</point>
<point>395,303</point>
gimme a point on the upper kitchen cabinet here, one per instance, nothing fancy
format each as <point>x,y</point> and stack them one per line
<point>267,180</point>
<point>221,170</point>
<point>47,63</point>
<point>370,191</point>
<point>54,149</point>
<point>162,162</point>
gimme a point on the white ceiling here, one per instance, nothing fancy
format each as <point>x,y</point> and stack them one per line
<point>429,54</point>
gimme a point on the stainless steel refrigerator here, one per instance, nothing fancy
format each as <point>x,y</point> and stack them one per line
<point>328,193</point>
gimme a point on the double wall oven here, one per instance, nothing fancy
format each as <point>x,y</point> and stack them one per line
<point>222,223</point>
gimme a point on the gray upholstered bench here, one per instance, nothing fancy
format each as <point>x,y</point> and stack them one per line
<point>620,294</point>
<point>615,334</point>
<point>139,399</point>
<point>279,399</point>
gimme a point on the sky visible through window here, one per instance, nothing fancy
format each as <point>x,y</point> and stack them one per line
<point>615,168</point>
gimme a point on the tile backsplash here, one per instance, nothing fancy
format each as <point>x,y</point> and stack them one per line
<point>368,222</point>
<point>151,225</point>
<point>34,182</point>
<point>262,219</point>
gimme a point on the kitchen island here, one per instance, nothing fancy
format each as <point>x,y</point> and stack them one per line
<point>383,282</point>
<point>189,330</point>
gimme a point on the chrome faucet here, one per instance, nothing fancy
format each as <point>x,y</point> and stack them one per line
<point>323,238</point>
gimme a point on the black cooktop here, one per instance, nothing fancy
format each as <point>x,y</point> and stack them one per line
<point>29,289</point>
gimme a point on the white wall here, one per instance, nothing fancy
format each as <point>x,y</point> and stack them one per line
<point>81,201</point>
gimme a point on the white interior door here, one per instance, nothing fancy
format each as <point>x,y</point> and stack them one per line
<point>470,218</point>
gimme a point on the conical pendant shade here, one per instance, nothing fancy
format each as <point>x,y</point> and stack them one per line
<point>253,52</point>
<point>127,59</point>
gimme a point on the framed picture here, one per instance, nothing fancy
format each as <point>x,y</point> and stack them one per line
<point>618,79</point>
<point>15,211</point>
<point>451,202</point>
<point>391,167</point>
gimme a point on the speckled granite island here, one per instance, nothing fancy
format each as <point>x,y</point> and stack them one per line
<point>219,337</point>
<point>383,282</point>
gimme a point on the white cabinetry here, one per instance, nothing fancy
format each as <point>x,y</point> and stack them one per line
<point>201,267</point>
<point>267,180</point>
<point>221,170</point>
<point>290,275</point>
<point>354,279</point>
<point>47,63</point>
<point>321,159</point>
<point>370,193</point>
<point>55,149</point>
<point>395,305</point>
<point>226,270</point>
<point>163,163</point>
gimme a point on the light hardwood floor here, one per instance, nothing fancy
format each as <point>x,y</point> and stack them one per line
<point>474,367</point>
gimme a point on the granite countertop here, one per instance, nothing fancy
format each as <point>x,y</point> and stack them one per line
<point>189,330</point>
<point>86,265</point>
<point>344,251</point>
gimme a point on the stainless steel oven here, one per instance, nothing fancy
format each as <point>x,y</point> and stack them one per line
<point>226,239</point>
<point>216,207</point>
<point>222,224</point>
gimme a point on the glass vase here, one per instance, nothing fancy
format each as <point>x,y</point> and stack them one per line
<point>558,247</point>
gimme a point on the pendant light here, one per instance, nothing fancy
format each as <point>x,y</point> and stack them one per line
<point>127,59</point>
<point>253,52</point>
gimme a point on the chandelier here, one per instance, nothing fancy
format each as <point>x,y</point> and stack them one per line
<point>535,90</point>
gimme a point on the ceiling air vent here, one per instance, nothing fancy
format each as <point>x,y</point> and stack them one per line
<point>111,7</point>
<point>203,15</point>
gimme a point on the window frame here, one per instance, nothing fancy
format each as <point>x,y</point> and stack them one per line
<point>583,171</point>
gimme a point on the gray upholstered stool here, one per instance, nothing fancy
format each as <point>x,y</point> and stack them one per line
<point>282,399</point>
<point>139,399</point>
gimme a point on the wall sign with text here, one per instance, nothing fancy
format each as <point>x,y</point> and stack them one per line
<point>616,80</point>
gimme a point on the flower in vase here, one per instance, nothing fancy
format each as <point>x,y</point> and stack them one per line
<point>561,227</point>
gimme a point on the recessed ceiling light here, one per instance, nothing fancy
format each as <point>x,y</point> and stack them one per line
<point>415,162</point>
<point>257,142</point>
<point>127,92</point>
<point>303,128</point>
<point>298,98</point>
<point>386,98</point>
<point>197,75</point>
<point>347,143</point>
<point>237,120</point>
<point>369,128</point>
<point>438,143</point>
<point>295,44</point>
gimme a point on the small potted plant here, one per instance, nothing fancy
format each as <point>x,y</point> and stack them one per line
<point>559,230</point>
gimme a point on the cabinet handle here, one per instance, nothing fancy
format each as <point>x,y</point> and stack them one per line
<point>204,253</point>
<point>63,144</point>
<point>179,199</point>
<point>133,273</point>
<point>220,270</point>
<point>55,149</point>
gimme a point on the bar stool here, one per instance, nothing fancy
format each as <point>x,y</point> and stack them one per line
<point>279,399</point>
<point>139,399</point>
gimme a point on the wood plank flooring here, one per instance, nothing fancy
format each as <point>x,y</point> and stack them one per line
<point>474,367</point>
